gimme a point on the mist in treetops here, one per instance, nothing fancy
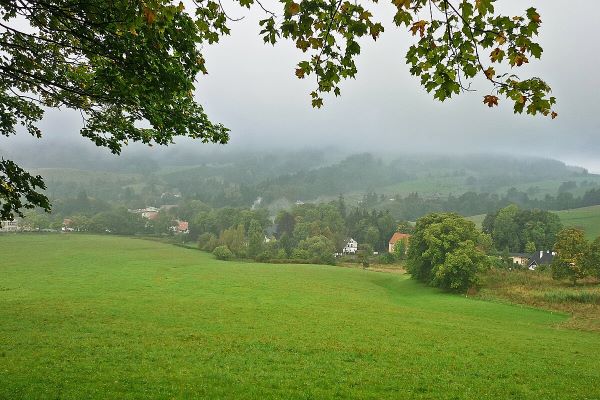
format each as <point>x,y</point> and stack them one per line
<point>251,89</point>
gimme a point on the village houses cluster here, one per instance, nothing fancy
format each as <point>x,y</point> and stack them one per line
<point>351,246</point>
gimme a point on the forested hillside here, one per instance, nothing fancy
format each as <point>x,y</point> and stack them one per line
<point>408,186</point>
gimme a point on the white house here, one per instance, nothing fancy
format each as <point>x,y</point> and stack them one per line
<point>520,258</point>
<point>9,226</point>
<point>351,247</point>
<point>532,261</point>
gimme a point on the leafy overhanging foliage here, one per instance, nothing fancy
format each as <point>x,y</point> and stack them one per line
<point>129,66</point>
<point>19,189</point>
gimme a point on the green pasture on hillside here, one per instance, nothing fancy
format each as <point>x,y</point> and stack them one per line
<point>586,218</point>
<point>100,317</point>
<point>477,219</point>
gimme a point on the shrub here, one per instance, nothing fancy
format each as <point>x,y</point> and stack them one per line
<point>300,254</point>
<point>262,257</point>
<point>319,249</point>
<point>223,253</point>
<point>281,254</point>
<point>386,258</point>
<point>207,242</point>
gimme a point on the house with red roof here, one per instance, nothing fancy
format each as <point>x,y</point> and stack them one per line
<point>183,226</point>
<point>397,237</point>
<point>180,226</point>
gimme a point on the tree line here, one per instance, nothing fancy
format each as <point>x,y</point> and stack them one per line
<point>414,205</point>
<point>307,232</point>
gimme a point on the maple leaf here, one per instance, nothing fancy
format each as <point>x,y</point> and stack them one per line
<point>401,3</point>
<point>490,100</point>
<point>300,73</point>
<point>489,73</point>
<point>302,44</point>
<point>365,15</point>
<point>497,54</point>
<point>293,8</point>
<point>149,15</point>
<point>418,26</point>
<point>519,60</point>
<point>554,114</point>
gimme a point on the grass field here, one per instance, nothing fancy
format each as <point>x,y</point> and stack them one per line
<point>477,219</point>
<point>98,317</point>
<point>586,218</point>
<point>445,185</point>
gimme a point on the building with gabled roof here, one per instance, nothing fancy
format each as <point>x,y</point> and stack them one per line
<point>351,246</point>
<point>397,236</point>
<point>540,258</point>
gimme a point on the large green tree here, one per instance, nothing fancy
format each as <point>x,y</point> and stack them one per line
<point>506,229</point>
<point>445,251</point>
<point>256,238</point>
<point>129,66</point>
<point>592,259</point>
<point>571,251</point>
<point>516,230</point>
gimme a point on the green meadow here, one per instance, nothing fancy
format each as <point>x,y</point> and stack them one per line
<point>101,317</point>
<point>585,218</point>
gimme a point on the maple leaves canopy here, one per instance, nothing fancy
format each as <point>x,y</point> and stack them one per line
<point>129,66</point>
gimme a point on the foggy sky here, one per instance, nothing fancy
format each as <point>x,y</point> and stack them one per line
<point>251,88</point>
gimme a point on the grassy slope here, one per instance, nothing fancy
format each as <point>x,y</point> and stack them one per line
<point>83,176</point>
<point>586,218</point>
<point>108,317</point>
<point>439,185</point>
<point>478,219</point>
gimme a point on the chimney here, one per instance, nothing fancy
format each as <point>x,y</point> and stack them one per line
<point>541,253</point>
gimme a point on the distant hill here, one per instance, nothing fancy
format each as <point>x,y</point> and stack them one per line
<point>239,178</point>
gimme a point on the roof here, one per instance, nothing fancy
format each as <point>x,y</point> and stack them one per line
<point>182,225</point>
<point>399,236</point>
<point>542,257</point>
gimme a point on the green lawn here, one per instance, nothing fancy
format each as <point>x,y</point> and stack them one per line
<point>587,218</point>
<point>85,317</point>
